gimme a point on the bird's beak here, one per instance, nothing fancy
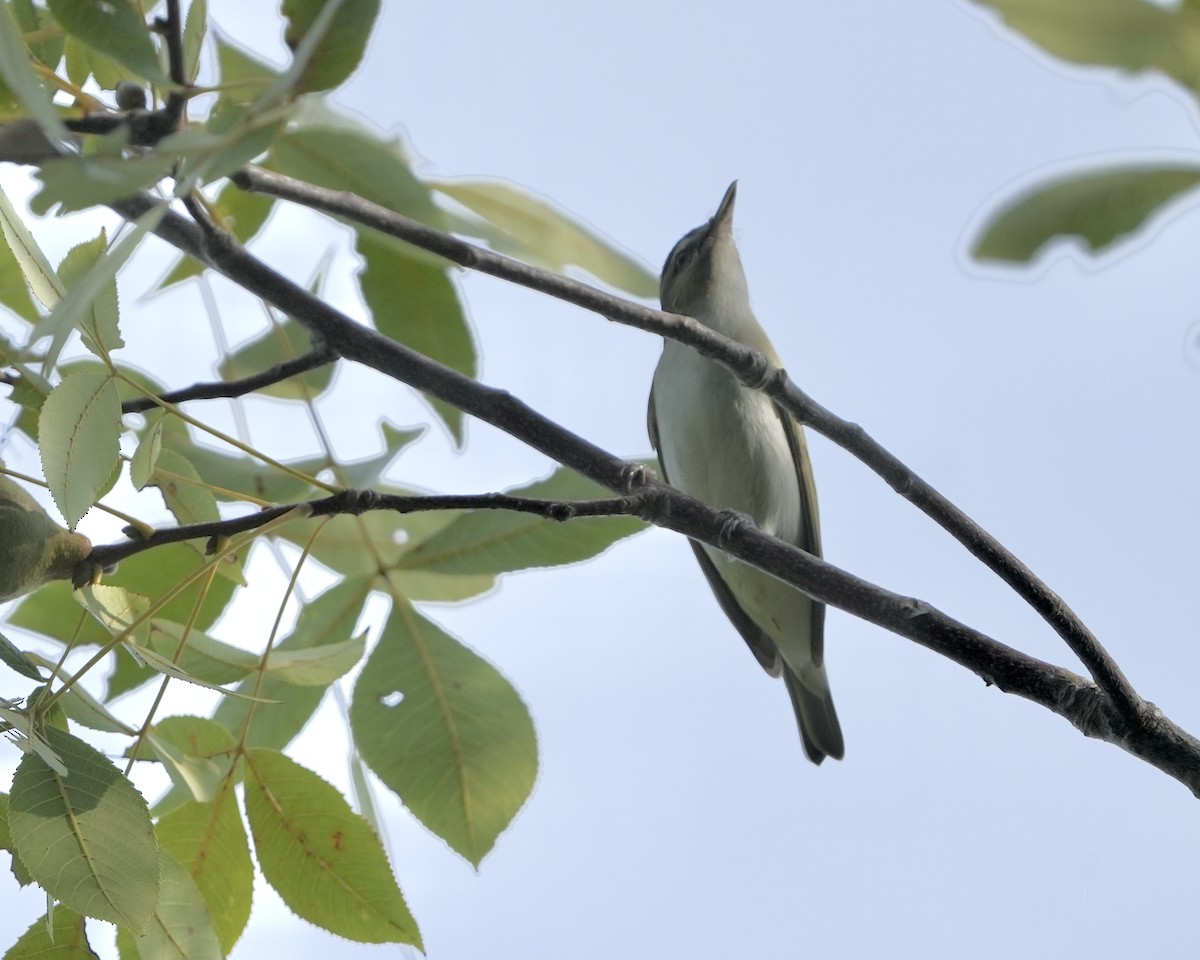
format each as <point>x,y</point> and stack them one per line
<point>723,218</point>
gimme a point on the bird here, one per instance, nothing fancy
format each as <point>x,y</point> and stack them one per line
<point>33,548</point>
<point>734,449</point>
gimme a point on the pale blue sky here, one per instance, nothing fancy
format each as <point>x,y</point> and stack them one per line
<point>675,815</point>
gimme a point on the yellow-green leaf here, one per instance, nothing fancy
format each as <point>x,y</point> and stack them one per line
<point>497,541</point>
<point>317,666</point>
<point>341,48</point>
<point>61,938</point>
<point>413,301</point>
<point>182,488</point>
<point>1128,34</point>
<point>283,341</point>
<point>354,160</point>
<point>181,926</point>
<point>85,835</point>
<point>115,29</point>
<point>201,656</point>
<point>322,858</point>
<point>444,729</point>
<point>99,324</point>
<point>79,430</point>
<point>1100,208</point>
<point>535,230</point>
<point>208,839</point>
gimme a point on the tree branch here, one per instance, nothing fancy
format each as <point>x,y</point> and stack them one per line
<point>1145,733</point>
<point>753,369</point>
<point>355,503</point>
<point>225,389</point>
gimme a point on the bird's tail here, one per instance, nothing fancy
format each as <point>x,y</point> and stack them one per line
<point>819,728</point>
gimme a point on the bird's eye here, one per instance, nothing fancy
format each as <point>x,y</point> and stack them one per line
<point>683,257</point>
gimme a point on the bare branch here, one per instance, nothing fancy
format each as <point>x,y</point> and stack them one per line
<point>224,389</point>
<point>1138,728</point>
<point>753,369</point>
<point>354,503</point>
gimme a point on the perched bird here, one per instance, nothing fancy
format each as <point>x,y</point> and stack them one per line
<point>731,447</point>
<point>33,548</point>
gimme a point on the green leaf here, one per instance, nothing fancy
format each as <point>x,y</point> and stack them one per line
<point>1130,35</point>
<point>5,837</point>
<point>343,159</point>
<point>244,78</point>
<point>85,836</point>
<point>322,858</point>
<point>14,289</point>
<point>165,666</point>
<point>79,430</point>
<point>200,778</point>
<point>186,495</point>
<point>121,611</point>
<point>53,613</point>
<point>80,183</point>
<point>99,324</point>
<point>244,474</point>
<point>317,666</point>
<point>229,140</point>
<point>12,657</point>
<point>83,63</point>
<point>72,307</point>
<point>536,231</point>
<point>115,29</point>
<point>497,541</point>
<point>194,29</point>
<point>24,734</point>
<point>22,82</point>
<point>283,341</point>
<point>197,755</point>
<point>350,545</point>
<point>342,46</point>
<point>35,268</point>
<point>141,465</point>
<point>446,731</point>
<point>208,839</point>
<point>1100,208</point>
<point>34,550</point>
<point>182,925</point>
<point>61,938</point>
<point>328,620</point>
<point>47,45</point>
<point>80,706</point>
<point>201,656</point>
<point>413,301</point>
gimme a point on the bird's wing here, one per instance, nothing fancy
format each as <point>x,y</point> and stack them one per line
<point>759,642</point>
<point>809,539</point>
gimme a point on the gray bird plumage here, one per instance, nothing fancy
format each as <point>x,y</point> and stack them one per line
<point>734,449</point>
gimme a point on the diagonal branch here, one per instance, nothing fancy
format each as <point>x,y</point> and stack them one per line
<point>753,369</point>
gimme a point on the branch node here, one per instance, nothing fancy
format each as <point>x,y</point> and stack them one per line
<point>732,522</point>
<point>635,477</point>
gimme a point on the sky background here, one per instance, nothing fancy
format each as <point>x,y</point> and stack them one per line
<point>675,815</point>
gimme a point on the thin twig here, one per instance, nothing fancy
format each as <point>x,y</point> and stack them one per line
<point>227,389</point>
<point>355,503</point>
<point>753,369</point>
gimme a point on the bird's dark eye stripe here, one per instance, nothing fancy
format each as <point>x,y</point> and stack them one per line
<point>684,250</point>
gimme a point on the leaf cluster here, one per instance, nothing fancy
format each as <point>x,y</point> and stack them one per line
<point>429,717</point>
